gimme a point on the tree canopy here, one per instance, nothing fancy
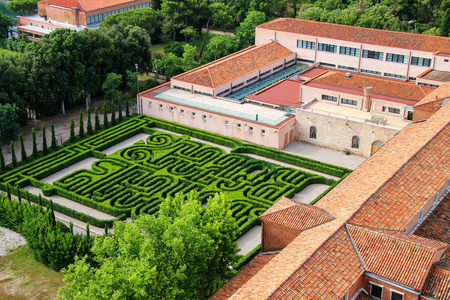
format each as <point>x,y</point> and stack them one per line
<point>182,253</point>
<point>8,124</point>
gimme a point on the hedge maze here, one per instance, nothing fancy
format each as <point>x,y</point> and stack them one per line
<point>135,179</point>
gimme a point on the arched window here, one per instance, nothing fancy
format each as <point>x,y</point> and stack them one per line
<point>355,142</point>
<point>312,132</point>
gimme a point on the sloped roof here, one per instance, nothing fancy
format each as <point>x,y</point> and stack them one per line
<point>437,285</point>
<point>355,34</point>
<point>299,216</point>
<point>400,257</point>
<point>380,86</point>
<point>86,5</point>
<point>433,101</point>
<point>235,65</point>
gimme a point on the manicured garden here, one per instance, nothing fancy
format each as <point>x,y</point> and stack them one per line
<point>136,179</point>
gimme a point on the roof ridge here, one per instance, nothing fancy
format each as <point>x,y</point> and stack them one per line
<point>278,211</point>
<point>210,76</point>
<point>409,238</point>
<point>84,9</point>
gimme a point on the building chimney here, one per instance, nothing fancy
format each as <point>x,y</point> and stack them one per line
<point>366,101</point>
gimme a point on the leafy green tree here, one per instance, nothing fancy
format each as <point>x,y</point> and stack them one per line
<point>222,45</point>
<point>2,161</point>
<point>113,113</point>
<point>72,131</point>
<point>147,18</point>
<point>96,119</point>
<point>33,136</point>
<point>132,81</point>
<point>5,26</point>
<point>188,59</point>
<point>13,155</point>
<point>22,7</point>
<point>105,116</point>
<point>380,16</point>
<point>246,30</point>
<point>218,15</point>
<point>8,123</point>
<point>89,123</point>
<point>44,141</point>
<point>110,86</point>
<point>81,130</point>
<point>175,48</point>
<point>54,146</point>
<point>120,110</point>
<point>23,152</point>
<point>180,254</point>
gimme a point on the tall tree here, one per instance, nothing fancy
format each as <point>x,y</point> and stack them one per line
<point>44,141</point>
<point>81,130</point>
<point>33,136</point>
<point>22,7</point>
<point>110,86</point>
<point>2,161</point>
<point>180,254</point>
<point>246,30</point>
<point>23,152</point>
<point>72,131</point>
<point>13,155</point>
<point>96,119</point>
<point>89,123</point>
<point>8,123</point>
<point>54,146</point>
<point>218,15</point>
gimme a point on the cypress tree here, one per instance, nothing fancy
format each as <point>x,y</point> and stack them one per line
<point>127,105</point>
<point>88,233</point>
<point>23,153</point>
<point>106,229</point>
<point>8,193</point>
<point>44,141</point>
<point>120,111</point>
<point>96,120</point>
<point>52,214</point>
<point>105,116</point>
<point>28,197</point>
<point>54,146</point>
<point>113,113</point>
<point>18,194</point>
<point>89,124</point>
<point>33,134</point>
<point>40,201</point>
<point>81,131</point>
<point>2,160</point>
<point>71,227</point>
<point>72,131</point>
<point>13,155</point>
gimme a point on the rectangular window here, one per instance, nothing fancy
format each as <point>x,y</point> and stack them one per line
<point>329,98</point>
<point>397,58</point>
<point>349,102</point>
<point>421,61</point>
<point>238,85</point>
<point>110,13</point>
<point>278,67</point>
<point>376,291</point>
<point>289,62</point>
<point>127,8</point>
<point>394,75</point>
<point>181,111</point>
<point>393,110</point>
<point>250,128</point>
<point>306,44</point>
<point>252,79</point>
<point>147,4</point>
<point>370,71</point>
<point>203,93</point>
<point>396,295</point>
<point>372,54</point>
<point>204,117</point>
<point>305,60</point>
<point>227,123</point>
<point>327,47</point>
<point>349,51</point>
<point>238,125</point>
<point>193,114</point>
<point>427,84</point>
<point>94,19</point>
<point>181,88</point>
<point>327,64</point>
<point>263,131</point>
<point>347,68</point>
<point>223,92</point>
<point>264,73</point>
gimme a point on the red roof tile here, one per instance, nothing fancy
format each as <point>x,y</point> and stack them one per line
<point>433,101</point>
<point>235,65</point>
<point>240,278</point>
<point>401,257</point>
<point>300,216</point>
<point>387,38</point>
<point>87,5</point>
<point>437,285</point>
<point>380,86</point>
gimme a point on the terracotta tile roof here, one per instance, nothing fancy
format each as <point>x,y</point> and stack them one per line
<point>328,274</point>
<point>437,285</point>
<point>401,257</point>
<point>437,227</point>
<point>381,86</point>
<point>240,278</point>
<point>387,38</point>
<point>281,204</point>
<point>433,101</point>
<point>87,5</point>
<point>299,216</point>
<point>235,65</point>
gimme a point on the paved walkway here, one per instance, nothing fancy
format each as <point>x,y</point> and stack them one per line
<point>310,192</point>
<point>325,155</point>
<point>126,143</point>
<point>249,240</point>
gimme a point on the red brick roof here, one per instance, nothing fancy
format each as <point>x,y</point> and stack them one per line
<point>355,34</point>
<point>88,5</point>
<point>328,274</point>
<point>400,257</point>
<point>299,216</point>
<point>240,278</point>
<point>437,285</point>
<point>380,86</point>
<point>433,101</point>
<point>235,65</point>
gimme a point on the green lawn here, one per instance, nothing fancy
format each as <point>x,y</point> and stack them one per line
<point>24,278</point>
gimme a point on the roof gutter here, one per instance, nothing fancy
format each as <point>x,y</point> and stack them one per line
<point>393,283</point>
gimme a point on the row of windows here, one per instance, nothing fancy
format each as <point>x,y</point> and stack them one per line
<point>306,44</point>
<point>238,85</point>
<point>394,75</point>
<point>110,13</point>
<point>181,88</point>
<point>327,47</point>
<point>420,61</point>
<point>349,102</point>
<point>146,4</point>
<point>127,8</point>
<point>223,92</point>
<point>376,291</point>
<point>252,79</point>
<point>372,54</point>
<point>370,71</point>
<point>427,84</point>
<point>349,51</point>
<point>95,19</point>
<point>392,110</point>
<point>203,93</point>
<point>313,135</point>
<point>329,98</point>
<point>347,68</point>
<point>397,58</point>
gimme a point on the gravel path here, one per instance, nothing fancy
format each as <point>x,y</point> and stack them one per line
<point>310,192</point>
<point>250,240</point>
<point>126,143</point>
<point>9,240</point>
